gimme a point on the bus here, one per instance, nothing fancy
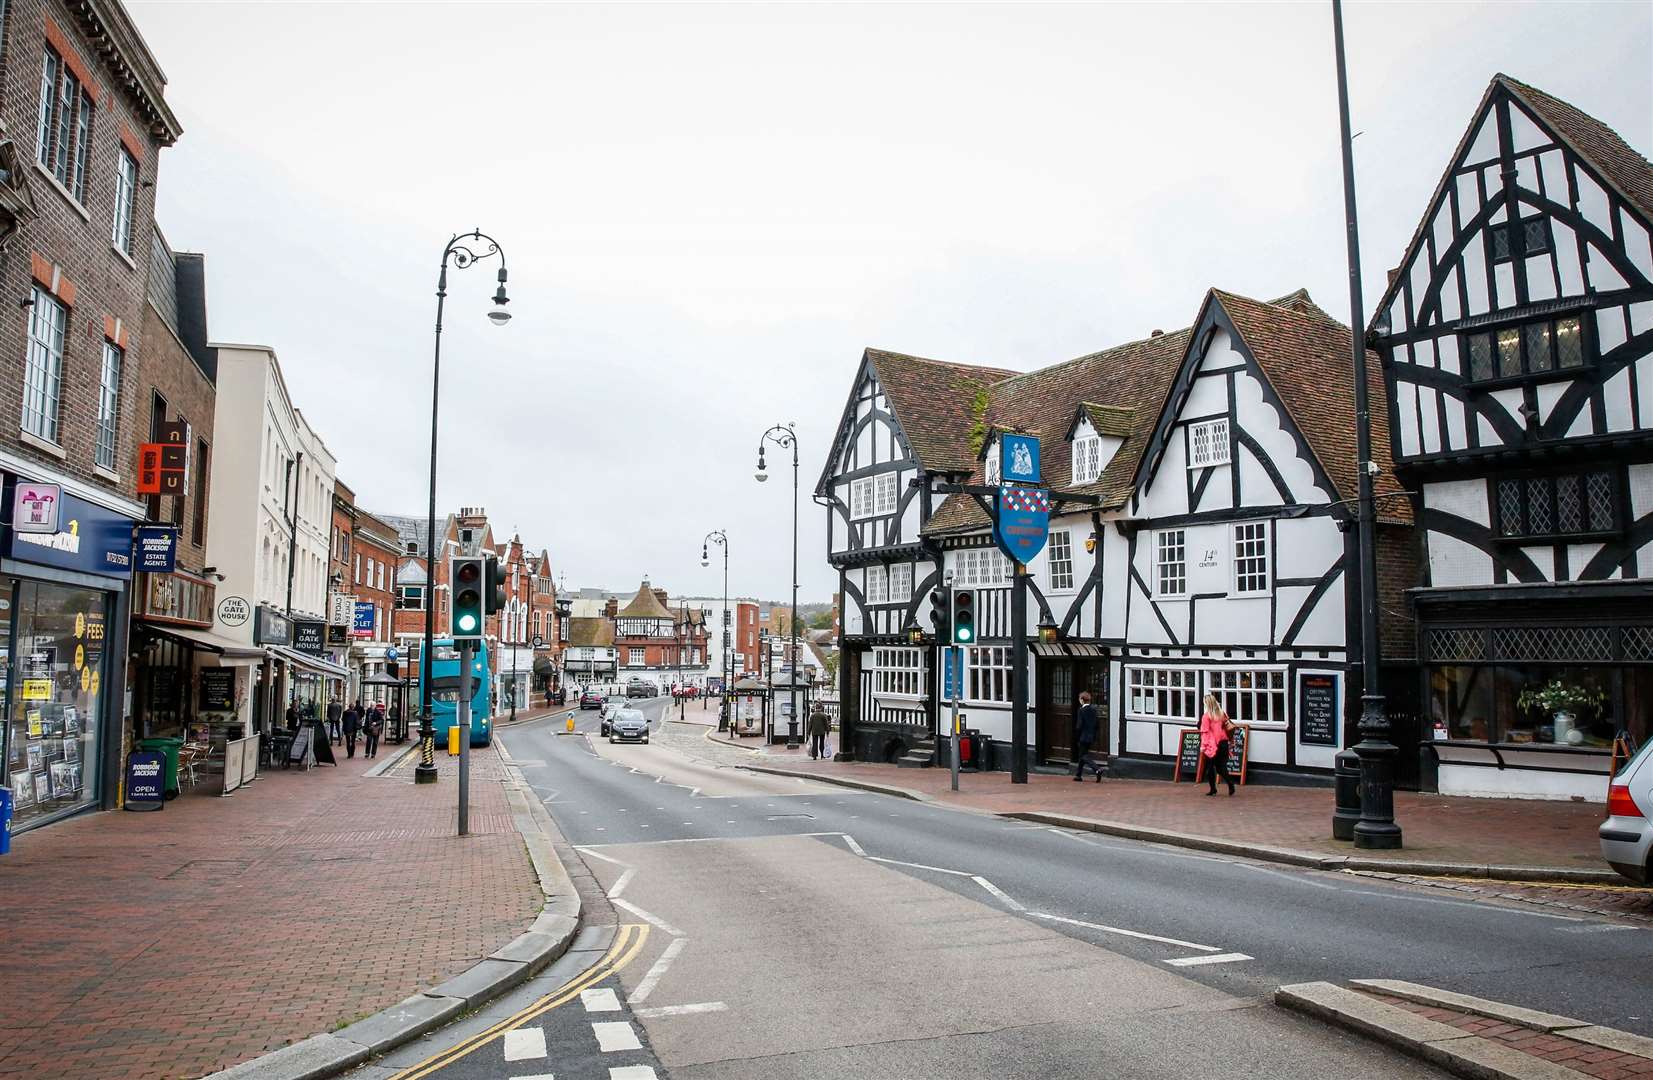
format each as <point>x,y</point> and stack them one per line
<point>444,687</point>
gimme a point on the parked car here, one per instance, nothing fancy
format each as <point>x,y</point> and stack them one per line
<point>628,725</point>
<point>641,688</point>
<point>592,699</point>
<point>606,717</point>
<point>1627,834</point>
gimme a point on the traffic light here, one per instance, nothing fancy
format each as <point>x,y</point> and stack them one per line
<point>939,612</point>
<point>465,621</point>
<point>494,577</point>
<point>964,617</point>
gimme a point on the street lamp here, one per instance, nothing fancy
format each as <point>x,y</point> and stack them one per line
<point>721,539</point>
<point>464,250</point>
<point>787,438</point>
<point>1048,631</point>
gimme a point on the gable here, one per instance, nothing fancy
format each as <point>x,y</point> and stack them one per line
<point>1541,205</point>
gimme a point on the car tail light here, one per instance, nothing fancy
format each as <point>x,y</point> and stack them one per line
<point>1619,802</point>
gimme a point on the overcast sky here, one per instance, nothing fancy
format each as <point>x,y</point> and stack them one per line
<point>710,210</point>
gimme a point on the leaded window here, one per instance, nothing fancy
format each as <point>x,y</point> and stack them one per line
<point>1558,504</point>
<point>1529,349</point>
<point>1208,443</point>
<point>878,585</point>
<point>1535,238</point>
<point>1087,459</point>
<point>885,495</point>
<point>901,582</point>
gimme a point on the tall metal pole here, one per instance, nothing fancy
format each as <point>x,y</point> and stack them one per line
<point>516,581</point>
<point>463,721</point>
<point>725,721</point>
<point>1376,827</point>
<point>792,722</point>
<point>956,656</point>
<point>1018,673</point>
<point>425,773</point>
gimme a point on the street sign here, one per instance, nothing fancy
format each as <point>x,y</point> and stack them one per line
<point>1022,523</point>
<point>366,621</point>
<point>1019,459</point>
<point>951,674</point>
<point>34,507</point>
<point>341,609</point>
<point>539,642</point>
<point>234,611</point>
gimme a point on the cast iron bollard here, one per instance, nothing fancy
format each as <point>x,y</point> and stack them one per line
<point>1346,770</point>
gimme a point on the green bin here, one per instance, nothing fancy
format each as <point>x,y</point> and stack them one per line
<point>170,747</point>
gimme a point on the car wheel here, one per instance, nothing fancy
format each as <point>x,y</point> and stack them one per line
<point>645,740</point>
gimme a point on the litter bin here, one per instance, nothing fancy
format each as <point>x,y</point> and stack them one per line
<point>5,820</point>
<point>170,747</point>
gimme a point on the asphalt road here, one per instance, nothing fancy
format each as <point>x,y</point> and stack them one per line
<point>798,929</point>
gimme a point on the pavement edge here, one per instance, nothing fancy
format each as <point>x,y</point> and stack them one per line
<point>507,967</point>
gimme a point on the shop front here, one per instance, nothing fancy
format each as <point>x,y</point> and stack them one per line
<point>63,613</point>
<point>1528,695</point>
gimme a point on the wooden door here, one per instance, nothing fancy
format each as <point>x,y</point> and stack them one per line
<point>1056,701</point>
<point>1093,676</point>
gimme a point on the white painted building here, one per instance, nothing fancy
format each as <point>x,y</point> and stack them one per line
<point>268,534</point>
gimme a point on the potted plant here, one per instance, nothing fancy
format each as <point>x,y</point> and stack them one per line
<point>1562,701</point>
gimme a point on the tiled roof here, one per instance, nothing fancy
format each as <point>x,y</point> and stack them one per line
<point>1115,420</point>
<point>1305,354</point>
<point>1623,167</point>
<point>1132,379</point>
<point>645,605</point>
<point>934,402</point>
<point>590,632</point>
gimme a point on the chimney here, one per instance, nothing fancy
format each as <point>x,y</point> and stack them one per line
<point>660,595</point>
<point>1157,333</point>
<point>612,608</point>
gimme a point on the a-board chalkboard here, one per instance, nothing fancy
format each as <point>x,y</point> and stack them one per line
<point>1188,756</point>
<point>1238,752</point>
<point>217,689</point>
<point>1317,709</point>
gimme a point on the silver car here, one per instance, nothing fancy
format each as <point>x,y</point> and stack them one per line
<point>1627,834</point>
<point>606,717</point>
<point>628,725</point>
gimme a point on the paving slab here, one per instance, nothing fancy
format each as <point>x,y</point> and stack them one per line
<point>1497,1010</point>
<point>313,1059</point>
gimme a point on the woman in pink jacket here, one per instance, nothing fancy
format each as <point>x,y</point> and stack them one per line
<point>1214,728</point>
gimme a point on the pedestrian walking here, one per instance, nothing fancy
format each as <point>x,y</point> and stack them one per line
<point>352,725</point>
<point>292,716</point>
<point>1214,728</point>
<point>1085,725</point>
<point>334,710</point>
<point>374,726</point>
<point>819,724</point>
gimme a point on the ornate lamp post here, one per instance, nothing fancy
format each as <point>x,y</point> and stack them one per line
<point>787,438</point>
<point>464,251</point>
<point>721,539</point>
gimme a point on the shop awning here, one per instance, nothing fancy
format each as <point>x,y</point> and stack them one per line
<point>203,639</point>
<point>313,663</point>
<point>1070,648</point>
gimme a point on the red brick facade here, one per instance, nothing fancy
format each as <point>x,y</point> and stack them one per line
<point>745,642</point>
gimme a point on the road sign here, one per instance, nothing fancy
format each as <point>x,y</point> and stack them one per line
<point>1022,523</point>
<point>539,642</point>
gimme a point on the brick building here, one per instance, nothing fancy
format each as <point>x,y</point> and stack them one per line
<point>376,549</point>
<point>76,210</point>
<point>656,642</point>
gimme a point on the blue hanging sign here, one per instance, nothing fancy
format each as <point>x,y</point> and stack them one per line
<point>156,547</point>
<point>1021,522</point>
<point>1019,459</point>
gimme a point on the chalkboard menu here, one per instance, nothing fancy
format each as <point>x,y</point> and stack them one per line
<point>217,689</point>
<point>1188,756</point>
<point>1238,752</point>
<point>1317,709</point>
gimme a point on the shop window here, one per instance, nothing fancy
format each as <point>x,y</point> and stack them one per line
<point>1581,705</point>
<point>898,671</point>
<point>988,673</point>
<point>1163,693</point>
<point>1557,504</point>
<point>1250,697</point>
<point>53,682</point>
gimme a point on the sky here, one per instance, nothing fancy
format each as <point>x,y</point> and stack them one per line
<point>708,211</point>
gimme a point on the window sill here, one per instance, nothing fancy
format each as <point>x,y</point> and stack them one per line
<point>1564,538</point>
<point>28,438</point>
<point>1505,382</point>
<point>1259,595</point>
<point>58,187</point>
<point>130,262</point>
<point>107,474</point>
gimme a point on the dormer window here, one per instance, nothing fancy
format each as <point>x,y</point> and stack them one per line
<point>1087,459</point>
<point>991,469</point>
<point>1208,443</point>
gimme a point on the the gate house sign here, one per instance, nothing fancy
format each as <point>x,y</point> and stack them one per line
<point>1023,521</point>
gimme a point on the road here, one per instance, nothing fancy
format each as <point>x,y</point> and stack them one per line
<point>747,925</point>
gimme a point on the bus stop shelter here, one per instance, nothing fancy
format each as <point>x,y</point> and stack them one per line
<point>749,707</point>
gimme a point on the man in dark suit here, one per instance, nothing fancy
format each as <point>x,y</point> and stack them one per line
<point>1085,725</point>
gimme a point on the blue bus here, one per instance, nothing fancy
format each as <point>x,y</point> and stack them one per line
<point>444,690</point>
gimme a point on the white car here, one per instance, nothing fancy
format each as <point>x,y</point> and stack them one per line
<point>1627,834</point>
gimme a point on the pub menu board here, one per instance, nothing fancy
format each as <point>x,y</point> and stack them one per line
<point>1188,756</point>
<point>1317,709</point>
<point>1239,751</point>
<point>217,690</point>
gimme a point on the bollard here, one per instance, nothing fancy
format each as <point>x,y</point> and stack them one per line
<point>571,723</point>
<point>1346,771</point>
<point>453,740</point>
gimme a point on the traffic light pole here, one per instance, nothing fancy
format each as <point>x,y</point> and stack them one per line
<point>463,721</point>
<point>957,656</point>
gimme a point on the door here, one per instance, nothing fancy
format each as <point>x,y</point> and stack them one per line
<point>1056,702</point>
<point>1093,676</point>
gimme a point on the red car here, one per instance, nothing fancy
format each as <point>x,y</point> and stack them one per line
<point>592,699</point>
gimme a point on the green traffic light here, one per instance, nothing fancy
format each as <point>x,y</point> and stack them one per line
<point>467,623</point>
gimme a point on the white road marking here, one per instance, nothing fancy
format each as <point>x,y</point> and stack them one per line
<point>630,1072</point>
<point>603,1000</point>
<point>921,866</point>
<point>1301,880</point>
<point>642,826</point>
<point>624,880</point>
<point>998,892</point>
<point>680,1010</point>
<point>1125,933</point>
<point>657,972</point>
<point>536,1076</point>
<point>646,917</point>
<point>615,1035</point>
<point>853,846</point>
<point>585,849</point>
<point>1220,958</point>
<point>525,1044</point>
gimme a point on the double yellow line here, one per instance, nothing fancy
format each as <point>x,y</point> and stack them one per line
<point>628,942</point>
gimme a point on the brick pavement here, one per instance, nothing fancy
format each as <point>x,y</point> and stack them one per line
<point>171,944</point>
<point>1586,1058</point>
